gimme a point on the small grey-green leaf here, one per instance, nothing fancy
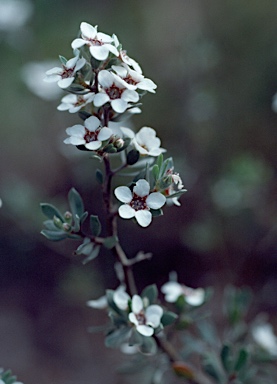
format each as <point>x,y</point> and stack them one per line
<point>84,115</point>
<point>241,360</point>
<point>168,318</point>
<point>94,253</point>
<point>62,59</point>
<point>95,225</point>
<point>148,346</point>
<point>54,235</point>
<point>151,293</point>
<point>155,172</point>
<point>110,242</point>
<point>50,211</point>
<point>117,337</point>
<point>75,202</point>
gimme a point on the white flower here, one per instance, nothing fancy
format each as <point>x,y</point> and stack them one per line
<point>91,134</point>
<point>145,319</point>
<point>264,336</point>
<point>100,303</point>
<point>114,90</point>
<point>100,44</point>
<point>73,103</point>
<point>131,77</point>
<point>125,58</point>
<point>137,203</point>
<point>147,143</point>
<point>65,75</point>
<point>174,290</point>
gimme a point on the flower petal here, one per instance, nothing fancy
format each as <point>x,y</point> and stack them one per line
<point>143,217</point>
<point>119,105</point>
<point>153,315</point>
<point>123,194</point>
<point>100,99</point>
<point>126,212</point>
<point>77,130</point>
<point>92,123</point>
<point>155,200</point>
<point>77,43</point>
<point>172,291</point>
<point>133,319</point>
<point>100,303</point>
<point>105,78</point>
<point>142,188</point>
<point>93,145</point>
<point>121,299</point>
<point>99,52</point>
<point>105,133</point>
<point>196,297</point>
<point>88,31</point>
<point>145,330</point>
<point>137,304</point>
<point>64,83</point>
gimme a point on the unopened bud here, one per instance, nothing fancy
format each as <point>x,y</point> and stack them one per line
<point>118,143</point>
<point>58,223</point>
<point>66,227</point>
<point>68,216</point>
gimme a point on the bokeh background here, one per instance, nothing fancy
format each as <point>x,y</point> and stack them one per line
<point>215,63</point>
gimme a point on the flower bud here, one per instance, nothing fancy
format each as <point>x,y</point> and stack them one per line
<point>58,223</point>
<point>66,227</point>
<point>118,143</point>
<point>68,216</point>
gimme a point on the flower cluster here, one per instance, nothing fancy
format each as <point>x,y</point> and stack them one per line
<point>104,85</point>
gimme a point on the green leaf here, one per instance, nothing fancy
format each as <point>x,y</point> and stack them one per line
<point>241,360</point>
<point>83,217</point>
<point>135,337</point>
<point>150,293</point>
<point>226,357</point>
<point>99,176</point>
<point>117,337</point>
<point>95,225</point>
<point>132,157</point>
<point>50,211</point>
<point>49,224</point>
<point>164,167</point>
<point>54,235</point>
<point>63,60</point>
<point>76,226</point>
<point>94,253</point>
<point>212,368</point>
<point>76,203</point>
<point>110,242</point>
<point>156,212</point>
<point>168,318</point>
<point>160,160</point>
<point>148,346</point>
<point>155,172</point>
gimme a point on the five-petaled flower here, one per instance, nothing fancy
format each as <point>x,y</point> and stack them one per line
<point>100,44</point>
<point>65,75</point>
<point>116,91</point>
<point>131,77</point>
<point>145,141</point>
<point>174,290</point>
<point>137,203</point>
<point>73,103</point>
<point>146,320</point>
<point>91,134</point>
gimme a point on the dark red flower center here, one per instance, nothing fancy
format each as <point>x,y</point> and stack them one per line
<point>114,92</point>
<point>138,203</point>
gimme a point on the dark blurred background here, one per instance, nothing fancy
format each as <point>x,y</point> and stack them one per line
<point>215,64</point>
